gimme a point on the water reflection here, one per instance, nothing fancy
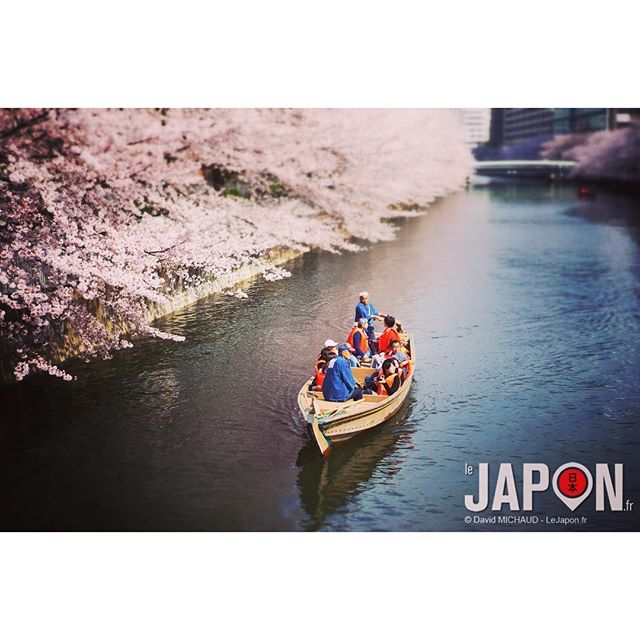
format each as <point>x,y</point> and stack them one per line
<point>328,484</point>
<point>525,309</point>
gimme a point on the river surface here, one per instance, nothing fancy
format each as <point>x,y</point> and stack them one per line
<point>524,304</point>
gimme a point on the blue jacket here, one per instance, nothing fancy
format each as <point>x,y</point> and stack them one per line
<point>339,382</point>
<point>366,311</point>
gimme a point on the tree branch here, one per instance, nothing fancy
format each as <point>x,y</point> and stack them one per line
<point>130,144</point>
<point>24,124</point>
<point>167,249</point>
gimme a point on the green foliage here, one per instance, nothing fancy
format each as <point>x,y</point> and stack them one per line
<point>235,191</point>
<point>276,189</point>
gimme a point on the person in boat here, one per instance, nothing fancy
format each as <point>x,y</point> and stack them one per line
<point>329,351</point>
<point>353,361</point>
<point>366,310</point>
<point>370,385</point>
<point>396,350</point>
<point>390,380</point>
<point>329,348</point>
<point>321,370</point>
<point>399,355</point>
<point>318,379</point>
<point>358,339</point>
<point>339,384</point>
<point>388,335</point>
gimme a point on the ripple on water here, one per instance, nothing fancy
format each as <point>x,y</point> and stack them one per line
<point>527,325</point>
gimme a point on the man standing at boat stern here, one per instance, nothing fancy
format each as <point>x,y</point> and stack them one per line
<point>339,384</point>
<point>366,310</point>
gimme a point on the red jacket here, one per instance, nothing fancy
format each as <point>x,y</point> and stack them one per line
<point>387,337</point>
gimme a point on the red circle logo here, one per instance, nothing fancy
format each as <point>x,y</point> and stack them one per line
<point>572,482</point>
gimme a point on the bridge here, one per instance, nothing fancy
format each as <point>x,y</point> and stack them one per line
<point>541,169</point>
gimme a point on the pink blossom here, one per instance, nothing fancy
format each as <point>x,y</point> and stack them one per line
<point>105,212</point>
<point>612,155</point>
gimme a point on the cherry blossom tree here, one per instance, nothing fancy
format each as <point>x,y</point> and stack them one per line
<point>603,155</point>
<point>103,212</point>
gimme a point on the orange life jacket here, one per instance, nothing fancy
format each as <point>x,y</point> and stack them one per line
<point>387,337</point>
<point>364,343</point>
<point>320,373</point>
<point>387,382</point>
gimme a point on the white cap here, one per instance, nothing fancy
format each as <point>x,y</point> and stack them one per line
<point>330,343</point>
<point>363,294</point>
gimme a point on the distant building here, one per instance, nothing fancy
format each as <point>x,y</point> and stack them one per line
<point>582,120</point>
<point>510,126</point>
<point>496,128</point>
<point>625,117</point>
<point>476,125</point>
<point>522,124</point>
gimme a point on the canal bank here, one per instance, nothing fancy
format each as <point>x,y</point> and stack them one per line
<point>112,217</point>
<point>523,303</point>
<point>180,291</point>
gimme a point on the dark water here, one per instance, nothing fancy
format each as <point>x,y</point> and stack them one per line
<point>524,305</point>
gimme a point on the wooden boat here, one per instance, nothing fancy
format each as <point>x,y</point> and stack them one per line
<point>331,423</point>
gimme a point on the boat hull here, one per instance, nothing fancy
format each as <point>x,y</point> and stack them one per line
<point>341,432</point>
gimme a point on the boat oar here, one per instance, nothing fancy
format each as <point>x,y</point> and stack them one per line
<point>323,443</point>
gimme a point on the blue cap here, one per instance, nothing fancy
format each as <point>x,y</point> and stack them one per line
<point>344,346</point>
